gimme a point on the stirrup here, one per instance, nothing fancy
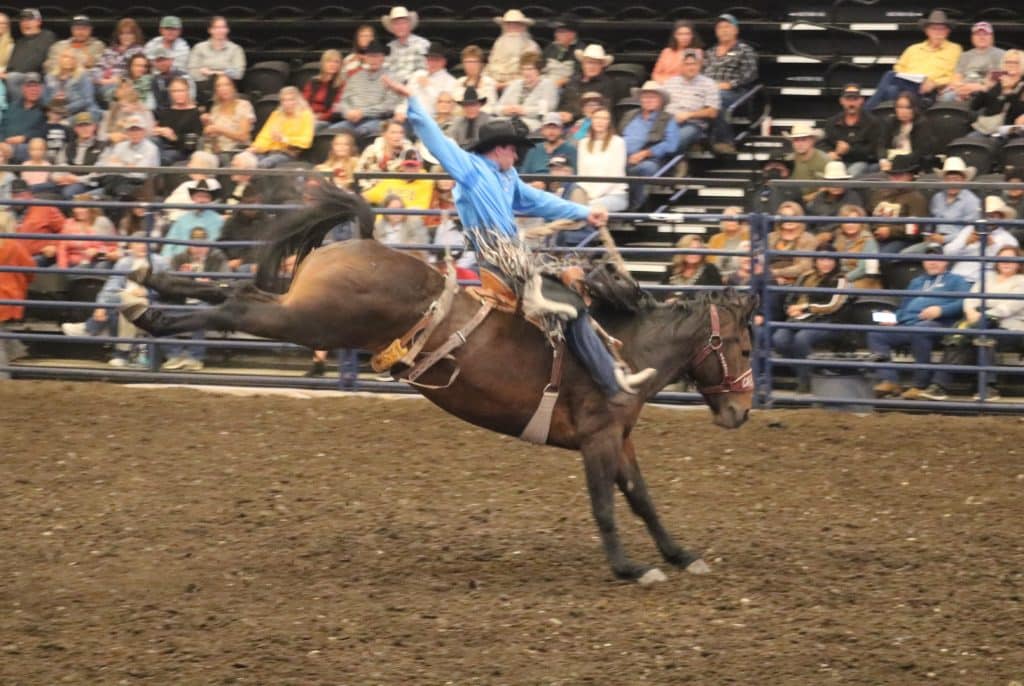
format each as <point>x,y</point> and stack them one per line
<point>536,305</point>
<point>629,382</point>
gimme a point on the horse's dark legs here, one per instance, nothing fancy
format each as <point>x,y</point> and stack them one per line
<point>241,313</point>
<point>634,488</point>
<point>600,461</point>
<point>213,292</point>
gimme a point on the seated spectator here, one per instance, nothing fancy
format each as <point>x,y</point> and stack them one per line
<point>732,233</point>
<point>138,220</point>
<point>651,136</point>
<point>503,64</point>
<point>119,290</point>
<point>239,181</point>
<point>684,39</point>
<point>341,161</point>
<point>952,204</point>
<point>13,285</point>
<point>126,42</point>
<point>84,150</point>
<point>6,177</point>
<point>138,73</point>
<point>744,270</point>
<point>559,165</point>
<point>407,52</point>
<point>694,101</point>
<point>36,219</point>
<point>590,102</point>
<point>135,151</point>
<point>287,132</point>
<point>386,151</point>
<point>24,118</point>
<point>170,44</point>
<point>444,112</point>
<point>808,161</point>
<point>857,237</point>
<point>68,82</point>
<point>215,56</point>
<point>853,136</point>
<point>826,201</point>
<point>30,50</point>
<point>554,143</point>
<point>200,159</point>
<point>591,79</point>
<point>603,153</point>
<point>474,77</point>
<point>559,56</point>
<point>98,253</point>
<point>968,243</point>
<point>924,68</point>
<point>790,235</point>
<point>245,225</point>
<point>812,307</point>
<point>178,127</point>
<point>366,101</point>
<point>57,132</point>
<point>164,72</point>
<point>974,68</point>
<point>127,106</point>
<point>399,229</point>
<point>38,181</point>
<point>429,83</point>
<point>353,62</point>
<point>907,134</point>
<point>414,193</point>
<point>6,47</point>
<point>898,201</point>
<point>768,198</point>
<point>465,130</point>
<point>530,97</point>
<point>1001,313</point>
<point>442,200</point>
<point>86,48</point>
<point>732,64</point>
<point>692,269</point>
<point>323,91</point>
<point>924,311</point>
<point>1014,197</point>
<point>202,192</point>
<point>1002,103</point>
<point>227,128</point>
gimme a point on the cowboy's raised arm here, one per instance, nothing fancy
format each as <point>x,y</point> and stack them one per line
<point>454,159</point>
<point>535,202</point>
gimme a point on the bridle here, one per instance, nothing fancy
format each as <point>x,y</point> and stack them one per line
<point>730,384</point>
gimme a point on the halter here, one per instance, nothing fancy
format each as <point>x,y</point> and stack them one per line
<point>740,384</point>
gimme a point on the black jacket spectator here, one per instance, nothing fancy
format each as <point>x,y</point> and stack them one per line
<point>22,119</point>
<point>85,155</point>
<point>998,98</point>
<point>864,137</point>
<point>922,144</point>
<point>186,125</point>
<point>30,52</point>
<point>245,225</point>
<point>576,87</point>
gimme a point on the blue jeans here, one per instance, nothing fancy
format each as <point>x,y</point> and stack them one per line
<point>888,88</point>
<point>268,160</point>
<point>638,191</point>
<point>721,130</point>
<point>366,128</point>
<point>921,345</point>
<point>798,344</point>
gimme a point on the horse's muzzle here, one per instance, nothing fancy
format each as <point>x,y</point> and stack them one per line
<point>731,416</point>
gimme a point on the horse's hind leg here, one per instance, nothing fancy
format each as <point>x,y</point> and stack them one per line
<point>255,313</point>
<point>634,488</point>
<point>165,284</point>
<point>600,460</point>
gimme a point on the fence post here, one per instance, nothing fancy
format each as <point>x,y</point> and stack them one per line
<point>982,342</point>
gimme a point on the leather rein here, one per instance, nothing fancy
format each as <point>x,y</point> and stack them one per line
<point>729,384</point>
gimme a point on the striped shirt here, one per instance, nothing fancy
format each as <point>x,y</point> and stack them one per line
<point>405,58</point>
<point>738,66</point>
<point>366,91</point>
<point>690,95</point>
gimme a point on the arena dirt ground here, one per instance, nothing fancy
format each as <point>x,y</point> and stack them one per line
<point>177,537</point>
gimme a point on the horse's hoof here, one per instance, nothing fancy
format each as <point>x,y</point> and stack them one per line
<point>698,566</point>
<point>134,312</point>
<point>652,576</point>
<point>140,275</point>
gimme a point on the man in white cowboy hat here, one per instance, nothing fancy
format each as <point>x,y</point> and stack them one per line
<point>968,241</point>
<point>407,51</point>
<point>852,136</point>
<point>952,204</point>
<point>732,64</point>
<point>651,135</point>
<point>514,41</point>
<point>808,161</point>
<point>827,201</point>
<point>591,79</point>
<point>975,66</point>
<point>923,68</point>
<point>530,97</point>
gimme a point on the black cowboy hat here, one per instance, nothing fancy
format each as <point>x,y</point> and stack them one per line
<point>503,132</point>
<point>904,164</point>
<point>568,21</point>
<point>471,97</point>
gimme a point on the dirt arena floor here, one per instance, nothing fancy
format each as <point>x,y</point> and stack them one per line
<point>177,537</point>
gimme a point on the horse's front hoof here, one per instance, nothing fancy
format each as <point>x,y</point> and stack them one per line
<point>698,566</point>
<point>652,576</point>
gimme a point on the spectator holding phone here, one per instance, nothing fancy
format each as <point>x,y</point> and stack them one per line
<point>977,68</point>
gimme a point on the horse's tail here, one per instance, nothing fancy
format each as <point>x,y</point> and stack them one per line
<point>299,233</point>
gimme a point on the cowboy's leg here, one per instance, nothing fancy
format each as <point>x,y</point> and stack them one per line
<point>590,350</point>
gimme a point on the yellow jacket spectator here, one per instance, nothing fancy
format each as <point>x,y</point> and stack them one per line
<point>288,131</point>
<point>416,194</point>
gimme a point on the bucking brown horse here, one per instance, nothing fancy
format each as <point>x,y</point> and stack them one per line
<point>361,294</point>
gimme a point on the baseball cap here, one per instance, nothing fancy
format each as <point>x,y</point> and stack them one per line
<point>982,27</point>
<point>725,16</point>
<point>851,90</point>
<point>81,20</point>
<point>32,77</point>
<point>410,158</point>
<point>161,54</point>
<point>30,13</point>
<point>374,48</point>
<point>170,22</point>
<point>134,122</point>
<point>552,119</point>
<point>591,95</point>
<point>82,118</point>
<point>558,161</point>
<point>933,249</point>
